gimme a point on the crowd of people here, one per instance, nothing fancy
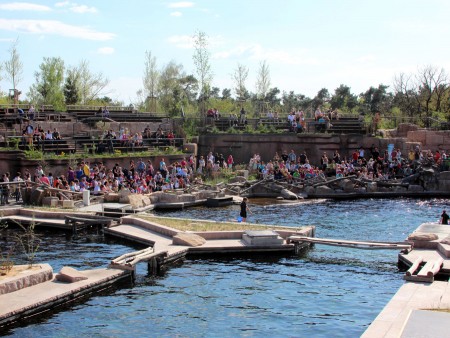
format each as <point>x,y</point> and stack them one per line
<point>146,176</point>
<point>369,164</point>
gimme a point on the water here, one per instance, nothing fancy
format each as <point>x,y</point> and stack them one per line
<point>330,291</point>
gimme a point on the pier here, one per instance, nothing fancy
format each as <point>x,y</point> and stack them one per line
<point>164,245</point>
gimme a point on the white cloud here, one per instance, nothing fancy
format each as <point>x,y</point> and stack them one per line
<point>177,14</point>
<point>257,52</point>
<point>181,4</point>
<point>6,39</point>
<point>83,9</point>
<point>105,50</point>
<point>54,27</point>
<point>24,6</point>
<point>76,8</point>
<point>182,41</point>
<point>62,4</point>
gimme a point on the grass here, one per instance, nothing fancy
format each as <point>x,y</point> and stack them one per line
<point>198,225</point>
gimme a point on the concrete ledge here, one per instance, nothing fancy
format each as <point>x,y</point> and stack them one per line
<point>26,277</point>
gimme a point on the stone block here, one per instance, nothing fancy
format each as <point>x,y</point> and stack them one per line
<point>444,185</point>
<point>146,200</point>
<point>111,197</point>
<point>70,275</point>
<point>444,175</point>
<point>372,187</point>
<point>36,196</point>
<point>415,188</point>
<point>135,200</point>
<point>50,201</point>
<point>419,136</point>
<point>68,204</point>
<point>188,239</point>
<point>422,236</point>
<point>323,189</point>
<point>186,198</point>
<point>22,276</point>
<point>434,140</point>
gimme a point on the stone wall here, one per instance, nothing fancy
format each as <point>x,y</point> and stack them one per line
<point>242,147</point>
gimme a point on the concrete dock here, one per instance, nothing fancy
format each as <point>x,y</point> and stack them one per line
<point>18,305</point>
<point>419,309</point>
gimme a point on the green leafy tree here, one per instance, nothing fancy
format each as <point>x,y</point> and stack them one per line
<point>90,85</point>
<point>70,87</point>
<point>343,99</point>
<point>322,97</point>
<point>226,94</point>
<point>48,88</point>
<point>376,99</point>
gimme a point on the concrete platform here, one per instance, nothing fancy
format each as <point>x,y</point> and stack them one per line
<point>26,302</point>
<point>395,319</point>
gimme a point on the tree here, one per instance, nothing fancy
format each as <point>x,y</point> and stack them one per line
<point>295,101</point>
<point>377,99</point>
<point>263,80</point>
<point>70,87</point>
<point>89,85</point>
<point>321,98</point>
<point>14,66</point>
<point>150,80</point>
<point>175,88</point>
<point>226,94</point>
<point>48,88</point>
<point>240,77</point>
<point>343,99</point>
<point>203,67</point>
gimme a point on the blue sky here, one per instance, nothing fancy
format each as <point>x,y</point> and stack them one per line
<point>308,45</point>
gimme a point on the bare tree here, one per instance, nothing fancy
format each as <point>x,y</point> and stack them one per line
<point>89,85</point>
<point>150,80</point>
<point>263,80</point>
<point>239,77</point>
<point>203,67</point>
<point>14,66</point>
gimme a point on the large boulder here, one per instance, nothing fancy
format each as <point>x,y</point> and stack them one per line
<point>372,187</point>
<point>422,236</point>
<point>288,195</point>
<point>237,179</point>
<point>111,197</point>
<point>135,200</point>
<point>347,185</point>
<point>36,196</point>
<point>323,190</point>
<point>309,190</point>
<point>415,188</point>
<point>188,239</point>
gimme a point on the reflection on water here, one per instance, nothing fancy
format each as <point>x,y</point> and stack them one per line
<point>330,291</point>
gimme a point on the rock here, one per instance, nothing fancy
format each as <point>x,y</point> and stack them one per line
<point>70,275</point>
<point>309,190</point>
<point>146,200</point>
<point>288,195</point>
<point>155,196</point>
<point>444,175</point>
<point>422,236</point>
<point>111,197</point>
<point>372,187</point>
<point>36,196</point>
<point>446,240</point>
<point>135,200</point>
<point>400,189</point>
<point>168,198</point>
<point>184,238</point>
<point>347,185</point>
<point>237,179</point>
<point>50,201</point>
<point>186,198</point>
<point>444,185</point>
<point>124,192</point>
<point>415,188</point>
<point>323,189</point>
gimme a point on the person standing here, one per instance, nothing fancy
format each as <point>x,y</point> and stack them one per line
<point>444,217</point>
<point>244,209</point>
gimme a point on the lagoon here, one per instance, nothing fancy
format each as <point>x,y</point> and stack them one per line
<point>329,291</point>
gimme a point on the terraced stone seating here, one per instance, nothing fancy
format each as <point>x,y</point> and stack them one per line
<point>347,125</point>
